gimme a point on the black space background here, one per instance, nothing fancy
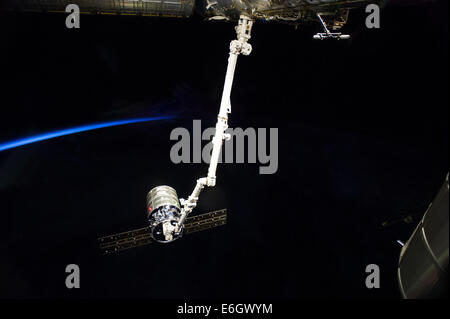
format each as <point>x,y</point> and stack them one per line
<point>363,137</point>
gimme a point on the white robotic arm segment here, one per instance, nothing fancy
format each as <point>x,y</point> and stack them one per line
<point>239,46</point>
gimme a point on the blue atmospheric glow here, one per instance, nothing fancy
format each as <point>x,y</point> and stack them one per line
<point>45,136</point>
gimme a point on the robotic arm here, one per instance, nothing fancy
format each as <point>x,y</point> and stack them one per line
<point>166,213</point>
<point>239,46</point>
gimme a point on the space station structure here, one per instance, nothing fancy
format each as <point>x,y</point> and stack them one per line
<point>334,12</point>
<point>423,264</point>
<point>152,8</point>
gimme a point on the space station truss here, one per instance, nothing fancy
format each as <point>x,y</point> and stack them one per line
<point>163,8</point>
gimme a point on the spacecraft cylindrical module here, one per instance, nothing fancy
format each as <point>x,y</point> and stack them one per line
<point>423,266</point>
<point>163,212</point>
